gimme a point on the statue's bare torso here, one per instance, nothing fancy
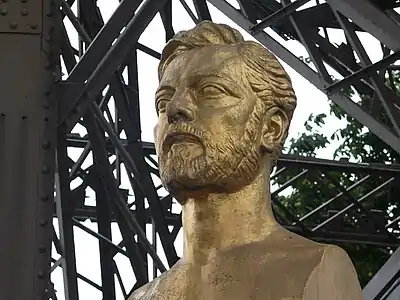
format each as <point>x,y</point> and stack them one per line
<point>280,268</point>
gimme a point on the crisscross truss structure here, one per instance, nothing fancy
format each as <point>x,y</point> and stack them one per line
<point>114,226</point>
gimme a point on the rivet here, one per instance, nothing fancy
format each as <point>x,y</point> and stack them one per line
<point>43,223</point>
<point>46,145</point>
<point>40,274</point>
<point>44,198</point>
<point>14,25</point>
<point>24,1</point>
<point>3,115</point>
<point>3,11</point>
<point>4,1</point>
<point>42,249</point>
<point>46,105</point>
<point>24,12</point>
<point>49,14</point>
<point>33,26</point>
<point>45,169</point>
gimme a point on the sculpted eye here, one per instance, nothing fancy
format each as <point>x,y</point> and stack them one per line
<point>212,89</point>
<point>161,105</point>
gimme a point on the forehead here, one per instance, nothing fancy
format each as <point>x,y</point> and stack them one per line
<point>218,60</point>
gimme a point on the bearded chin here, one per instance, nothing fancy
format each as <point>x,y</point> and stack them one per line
<point>227,166</point>
<point>181,172</point>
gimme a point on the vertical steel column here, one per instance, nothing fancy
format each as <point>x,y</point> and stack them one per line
<point>29,68</point>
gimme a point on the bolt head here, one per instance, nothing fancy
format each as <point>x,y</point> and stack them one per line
<point>43,223</point>
<point>45,169</point>
<point>40,274</point>
<point>3,11</point>
<point>46,145</point>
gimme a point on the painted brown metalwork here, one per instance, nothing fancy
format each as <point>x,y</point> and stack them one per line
<point>29,59</point>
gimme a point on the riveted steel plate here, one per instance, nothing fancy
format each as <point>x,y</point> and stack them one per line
<point>21,16</point>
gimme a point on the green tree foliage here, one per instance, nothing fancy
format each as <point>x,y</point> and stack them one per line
<point>357,143</point>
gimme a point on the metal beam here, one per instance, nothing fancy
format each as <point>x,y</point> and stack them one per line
<point>316,79</point>
<point>371,19</point>
<point>384,278</point>
<point>28,59</point>
<point>103,211</point>
<point>65,206</point>
<point>272,19</point>
<point>101,43</point>
<point>364,73</point>
<point>202,10</point>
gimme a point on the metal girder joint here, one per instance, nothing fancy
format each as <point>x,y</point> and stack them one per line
<point>363,73</point>
<point>370,18</point>
<point>278,15</point>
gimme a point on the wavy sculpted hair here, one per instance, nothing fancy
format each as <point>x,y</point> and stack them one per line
<point>265,74</point>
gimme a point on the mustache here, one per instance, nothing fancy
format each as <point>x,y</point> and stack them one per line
<point>181,129</point>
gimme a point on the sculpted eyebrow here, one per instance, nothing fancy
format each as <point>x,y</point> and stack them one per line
<point>165,88</point>
<point>195,78</point>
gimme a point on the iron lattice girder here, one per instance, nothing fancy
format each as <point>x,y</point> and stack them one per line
<point>112,59</point>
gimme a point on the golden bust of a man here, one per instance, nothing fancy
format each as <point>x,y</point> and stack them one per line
<point>224,107</point>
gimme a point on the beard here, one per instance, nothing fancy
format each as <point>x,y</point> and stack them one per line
<point>226,165</point>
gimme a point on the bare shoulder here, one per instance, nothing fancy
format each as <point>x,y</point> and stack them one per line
<point>335,276</point>
<point>336,259</point>
<point>146,291</point>
<point>141,292</point>
<point>335,252</point>
<point>160,287</point>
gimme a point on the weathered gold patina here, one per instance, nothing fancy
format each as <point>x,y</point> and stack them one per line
<point>224,107</point>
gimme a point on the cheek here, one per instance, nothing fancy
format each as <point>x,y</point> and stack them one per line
<point>239,113</point>
<point>159,130</point>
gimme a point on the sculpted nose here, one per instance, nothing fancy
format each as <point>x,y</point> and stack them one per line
<point>179,112</point>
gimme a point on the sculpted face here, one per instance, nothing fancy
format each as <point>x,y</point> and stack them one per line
<point>203,136</point>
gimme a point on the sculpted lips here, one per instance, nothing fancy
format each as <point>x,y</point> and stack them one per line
<point>179,137</point>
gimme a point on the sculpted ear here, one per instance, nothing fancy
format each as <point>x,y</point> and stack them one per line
<point>274,129</point>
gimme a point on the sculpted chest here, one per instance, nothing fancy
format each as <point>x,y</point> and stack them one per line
<point>268,278</point>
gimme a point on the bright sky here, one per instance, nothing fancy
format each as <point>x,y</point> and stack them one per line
<point>310,101</point>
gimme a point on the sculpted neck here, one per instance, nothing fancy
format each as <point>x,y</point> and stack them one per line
<point>215,222</point>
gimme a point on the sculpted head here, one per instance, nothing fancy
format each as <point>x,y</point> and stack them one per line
<point>224,107</point>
